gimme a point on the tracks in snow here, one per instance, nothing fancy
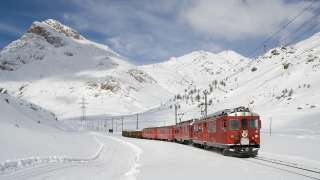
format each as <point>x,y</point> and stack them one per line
<point>290,167</point>
<point>105,161</point>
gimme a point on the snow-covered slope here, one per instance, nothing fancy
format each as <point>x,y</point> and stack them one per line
<point>53,66</point>
<point>282,85</point>
<point>28,131</point>
<point>197,69</point>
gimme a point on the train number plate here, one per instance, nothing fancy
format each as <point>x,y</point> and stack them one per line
<point>245,141</point>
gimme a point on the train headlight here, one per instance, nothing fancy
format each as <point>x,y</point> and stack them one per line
<point>256,136</point>
<point>244,133</point>
<point>232,136</point>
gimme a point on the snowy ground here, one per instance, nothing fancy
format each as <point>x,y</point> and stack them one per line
<point>127,158</point>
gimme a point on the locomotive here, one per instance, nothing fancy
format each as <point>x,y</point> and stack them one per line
<point>234,132</point>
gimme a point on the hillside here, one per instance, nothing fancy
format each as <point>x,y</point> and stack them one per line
<point>282,85</point>
<point>29,132</point>
<point>54,66</point>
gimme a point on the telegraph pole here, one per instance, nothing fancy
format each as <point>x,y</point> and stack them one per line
<point>270,126</point>
<point>105,125</point>
<point>112,125</point>
<point>137,125</point>
<point>83,109</point>
<point>176,106</point>
<point>121,123</point>
<point>205,103</point>
<point>116,124</point>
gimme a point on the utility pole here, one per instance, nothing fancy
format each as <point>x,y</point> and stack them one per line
<point>83,109</point>
<point>205,103</point>
<point>270,126</point>
<point>121,123</point>
<point>137,125</point>
<point>180,116</point>
<point>105,125</point>
<point>176,106</point>
<point>112,125</point>
<point>116,124</point>
<point>265,48</point>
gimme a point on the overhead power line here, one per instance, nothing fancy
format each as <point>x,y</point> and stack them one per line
<point>281,29</point>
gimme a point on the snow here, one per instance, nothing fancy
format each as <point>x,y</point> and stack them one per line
<point>30,135</point>
<point>128,158</point>
<point>45,74</point>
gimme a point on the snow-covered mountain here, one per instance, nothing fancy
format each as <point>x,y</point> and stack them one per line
<point>196,69</point>
<point>282,85</point>
<point>54,66</point>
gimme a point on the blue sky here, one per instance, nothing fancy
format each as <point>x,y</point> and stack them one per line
<point>148,31</point>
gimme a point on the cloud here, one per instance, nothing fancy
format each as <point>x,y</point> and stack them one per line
<point>147,31</point>
<point>236,20</point>
<point>140,30</point>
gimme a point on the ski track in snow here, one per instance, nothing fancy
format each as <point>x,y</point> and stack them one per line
<point>12,166</point>
<point>134,171</point>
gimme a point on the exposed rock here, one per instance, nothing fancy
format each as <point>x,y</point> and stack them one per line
<point>63,29</point>
<point>111,84</point>
<point>41,31</point>
<point>141,76</point>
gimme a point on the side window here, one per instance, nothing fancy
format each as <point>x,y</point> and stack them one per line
<point>212,126</point>
<point>224,124</point>
<point>234,124</point>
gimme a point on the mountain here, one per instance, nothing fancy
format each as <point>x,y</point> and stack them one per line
<point>281,85</point>
<point>196,69</point>
<point>54,66</point>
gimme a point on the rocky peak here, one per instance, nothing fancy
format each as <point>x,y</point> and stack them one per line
<point>59,27</point>
<point>48,28</point>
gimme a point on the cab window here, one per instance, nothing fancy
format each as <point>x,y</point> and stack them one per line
<point>234,124</point>
<point>244,124</point>
<point>253,123</point>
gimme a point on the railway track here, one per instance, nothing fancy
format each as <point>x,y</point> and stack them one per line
<point>289,167</point>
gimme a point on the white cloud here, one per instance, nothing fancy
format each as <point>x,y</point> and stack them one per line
<point>241,19</point>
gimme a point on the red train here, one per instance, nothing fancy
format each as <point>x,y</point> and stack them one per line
<point>235,132</point>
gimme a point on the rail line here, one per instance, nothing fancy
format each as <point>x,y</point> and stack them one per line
<point>290,167</point>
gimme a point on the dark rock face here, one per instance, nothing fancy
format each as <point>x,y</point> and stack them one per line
<point>54,40</point>
<point>56,25</point>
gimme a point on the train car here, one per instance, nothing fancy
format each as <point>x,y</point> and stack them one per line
<point>133,134</point>
<point>183,132</point>
<point>165,133</point>
<point>235,132</point>
<point>149,133</point>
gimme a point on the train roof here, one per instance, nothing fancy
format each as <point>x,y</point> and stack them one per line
<point>239,111</point>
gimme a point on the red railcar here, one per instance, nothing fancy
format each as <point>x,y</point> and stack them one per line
<point>234,131</point>
<point>165,133</point>
<point>149,133</point>
<point>183,132</point>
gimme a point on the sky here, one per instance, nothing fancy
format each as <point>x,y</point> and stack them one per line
<point>150,31</point>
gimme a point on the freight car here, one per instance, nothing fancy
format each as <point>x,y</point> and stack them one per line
<point>134,134</point>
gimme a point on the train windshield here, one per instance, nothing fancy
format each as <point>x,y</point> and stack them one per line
<point>244,124</point>
<point>234,124</point>
<point>253,123</point>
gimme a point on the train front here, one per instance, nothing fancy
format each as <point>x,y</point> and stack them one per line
<point>243,135</point>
